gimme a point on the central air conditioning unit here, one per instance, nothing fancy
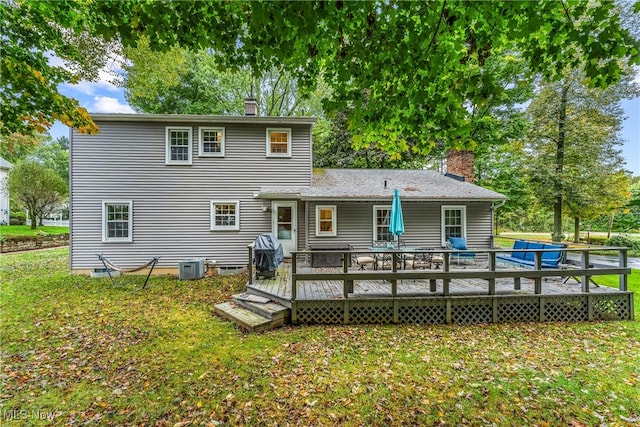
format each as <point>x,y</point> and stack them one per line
<point>191,269</point>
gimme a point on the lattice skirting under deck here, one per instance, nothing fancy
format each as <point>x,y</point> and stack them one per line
<point>489,309</point>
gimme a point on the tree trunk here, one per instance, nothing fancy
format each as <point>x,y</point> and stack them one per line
<point>557,185</point>
<point>613,215</point>
<point>34,219</point>
<point>576,229</point>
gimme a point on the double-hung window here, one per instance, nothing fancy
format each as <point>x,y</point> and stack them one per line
<point>454,222</point>
<point>179,143</point>
<point>278,142</point>
<point>381,218</point>
<point>225,215</point>
<point>326,224</point>
<point>211,142</point>
<point>117,221</point>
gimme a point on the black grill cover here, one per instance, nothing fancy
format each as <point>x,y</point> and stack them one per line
<point>268,252</point>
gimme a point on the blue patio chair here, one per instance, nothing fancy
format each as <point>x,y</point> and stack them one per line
<point>460,244</point>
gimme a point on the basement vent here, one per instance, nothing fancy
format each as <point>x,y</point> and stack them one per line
<point>191,269</point>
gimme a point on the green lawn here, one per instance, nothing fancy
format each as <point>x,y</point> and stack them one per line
<point>25,230</point>
<point>86,352</point>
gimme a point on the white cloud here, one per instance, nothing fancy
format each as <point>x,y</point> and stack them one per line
<point>107,104</point>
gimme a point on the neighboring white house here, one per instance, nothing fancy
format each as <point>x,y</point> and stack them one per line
<point>5,166</point>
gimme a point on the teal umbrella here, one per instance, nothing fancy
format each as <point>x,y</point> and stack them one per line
<point>396,223</point>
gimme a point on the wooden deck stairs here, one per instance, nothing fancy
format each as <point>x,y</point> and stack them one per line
<point>254,313</point>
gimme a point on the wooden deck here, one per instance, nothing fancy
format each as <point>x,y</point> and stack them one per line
<point>482,292</point>
<point>280,287</point>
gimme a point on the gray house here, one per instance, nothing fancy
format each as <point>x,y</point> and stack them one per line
<point>192,186</point>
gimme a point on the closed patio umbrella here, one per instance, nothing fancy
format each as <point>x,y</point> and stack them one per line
<point>396,223</point>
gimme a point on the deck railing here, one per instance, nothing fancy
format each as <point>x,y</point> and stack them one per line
<point>585,270</point>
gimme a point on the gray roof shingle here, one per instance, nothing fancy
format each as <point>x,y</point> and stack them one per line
<point>369,184</point>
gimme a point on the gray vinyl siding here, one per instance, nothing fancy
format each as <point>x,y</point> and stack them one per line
<point>421,220</point>
<point>171,203</point>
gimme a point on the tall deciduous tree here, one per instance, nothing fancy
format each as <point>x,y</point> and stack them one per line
<point>418,62</point>
<point>404,70</point>
<point>182,81</point>
<point>44,45</point>
<point>36,187</point>
<point>54,154</point>
<point>16,146</point>
<point>574,160</point>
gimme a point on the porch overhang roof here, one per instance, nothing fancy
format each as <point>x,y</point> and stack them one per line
<point>378,184</point>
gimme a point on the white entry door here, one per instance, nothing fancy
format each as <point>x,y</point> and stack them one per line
<point>285,225</point>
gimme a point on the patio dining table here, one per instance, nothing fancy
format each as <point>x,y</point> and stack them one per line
<point>426,255</point>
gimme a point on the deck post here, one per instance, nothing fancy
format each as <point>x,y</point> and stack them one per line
<point>294,281</point>
<point>516,283</point>
<point>346,307</point>
<point>585,265</point>
<point>492,268</point>
<point>590,307</point>
<point>537,259</point>
<point>347,284</point>
<point>445,282</point>
<point>622,262</point>
<point>250,264</point>
<point>394,269</point>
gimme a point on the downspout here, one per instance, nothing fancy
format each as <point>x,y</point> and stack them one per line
<point>493,220</point>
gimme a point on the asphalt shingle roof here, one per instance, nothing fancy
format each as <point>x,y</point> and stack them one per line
<point>369,184</point>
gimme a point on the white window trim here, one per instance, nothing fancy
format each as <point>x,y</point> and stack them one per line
<point>105,234</point>
<point>375,217</point>
<point>334,221</point>
<point>167,154</point>
<point>213,226</point>
<point>201,151</point>
<point>463,210</point>
<point>268,141</point>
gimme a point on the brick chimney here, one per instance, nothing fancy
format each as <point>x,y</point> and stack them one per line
<point>460,162</point>
<point>250,107</point>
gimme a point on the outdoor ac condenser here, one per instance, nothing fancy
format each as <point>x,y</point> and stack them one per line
<point>191,269</point>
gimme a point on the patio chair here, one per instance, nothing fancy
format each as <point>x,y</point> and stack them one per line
<point>383,259</point>
<point>361,260</point>
<point>407,257</point>
<point>460,244</point>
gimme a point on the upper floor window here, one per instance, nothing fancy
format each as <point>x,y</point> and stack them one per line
<point>179,143</point>
<point>381,218</point>
<point>454,222</point>
<point>225,215</point>
<point>326,221</point>
<point>211,142</point>
<point>117,221</point>
<point>278,142</point>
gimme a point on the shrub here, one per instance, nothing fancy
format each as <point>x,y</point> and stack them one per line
<point>18,216</point>
<point>623,240</point>
<point>596,240</point>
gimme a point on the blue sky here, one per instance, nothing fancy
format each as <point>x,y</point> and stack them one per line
<point>105,97</point>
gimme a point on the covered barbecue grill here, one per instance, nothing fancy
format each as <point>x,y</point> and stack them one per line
<point>268,255</point>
